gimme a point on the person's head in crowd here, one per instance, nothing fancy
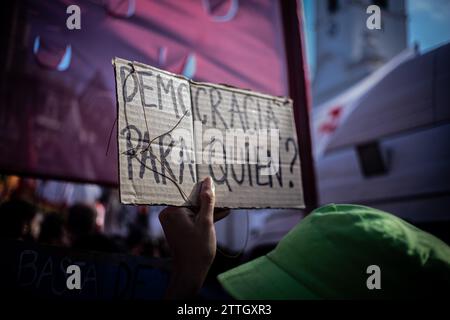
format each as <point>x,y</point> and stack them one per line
<point>84,233</point>
<point>52,230</point>
<point>98,242</point>
<point>16,217</point>
<point>81,221</point>
<point>135,239</point>
<point>26,189</point>
<point>139,242</point>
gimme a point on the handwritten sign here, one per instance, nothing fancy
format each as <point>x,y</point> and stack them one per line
<point>33,270</point>
<point>173,132</point>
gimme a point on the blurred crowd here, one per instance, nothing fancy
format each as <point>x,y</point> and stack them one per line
<point>32,210</point>
<point>85,217</point>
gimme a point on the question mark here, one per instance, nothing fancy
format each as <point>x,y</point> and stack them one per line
<point>291,184</point>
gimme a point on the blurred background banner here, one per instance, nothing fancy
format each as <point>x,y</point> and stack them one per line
<point>57,88</point>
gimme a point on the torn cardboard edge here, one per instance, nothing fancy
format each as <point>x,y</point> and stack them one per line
<point>223,86</point>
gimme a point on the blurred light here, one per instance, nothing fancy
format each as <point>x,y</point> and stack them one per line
<point>52,58</point>
<point>121,8</point>
<point>65,61</point>
<point>100,219</point>
<point>162,56</point>
<point>190,66</point>
<point>232,11</point>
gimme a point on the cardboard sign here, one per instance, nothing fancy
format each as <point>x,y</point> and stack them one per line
<point>173,132</point>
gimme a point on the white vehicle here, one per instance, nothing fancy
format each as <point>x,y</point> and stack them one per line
<point>385,142</point>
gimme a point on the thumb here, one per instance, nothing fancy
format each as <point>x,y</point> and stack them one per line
<point>207,201</point>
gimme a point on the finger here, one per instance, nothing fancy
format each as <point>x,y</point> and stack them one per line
<point>207,201</point>
<point>174,218</point>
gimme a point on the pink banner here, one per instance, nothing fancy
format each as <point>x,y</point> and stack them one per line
<point>58,105</point>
